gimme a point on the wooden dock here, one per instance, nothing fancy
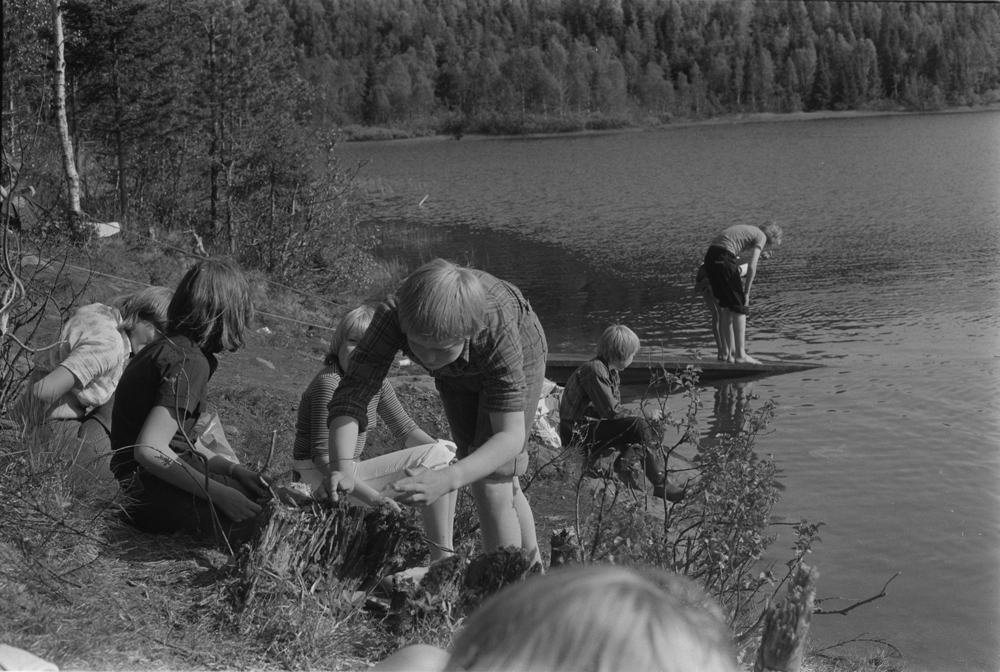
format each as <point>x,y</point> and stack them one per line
<point>560,365</point>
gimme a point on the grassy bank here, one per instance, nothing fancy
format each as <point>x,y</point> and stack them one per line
<point>82,590</point>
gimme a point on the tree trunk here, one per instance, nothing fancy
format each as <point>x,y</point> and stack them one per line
<point>214,150</point>
<point>123,205</point>
<point>786,625</point>
<point>69,162</point>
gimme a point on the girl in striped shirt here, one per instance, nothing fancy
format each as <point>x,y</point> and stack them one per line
<point>419,450</point>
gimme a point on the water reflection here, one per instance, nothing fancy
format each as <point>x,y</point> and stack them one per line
<point>729,409</point>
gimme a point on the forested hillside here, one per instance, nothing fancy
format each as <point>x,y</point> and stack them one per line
<point>396,60</point>
<point>219,115</point>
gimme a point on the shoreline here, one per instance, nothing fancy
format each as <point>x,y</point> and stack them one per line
<point>725,120</point>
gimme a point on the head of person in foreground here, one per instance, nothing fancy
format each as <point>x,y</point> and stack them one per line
<point>597,618</point>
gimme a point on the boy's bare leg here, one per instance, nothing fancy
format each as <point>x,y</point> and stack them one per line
<point>713,310</point>
<point>526,521</point>
<point>497,515</point>
<point>739,321</point>
<point>439,525</point>
<point>726,330</point>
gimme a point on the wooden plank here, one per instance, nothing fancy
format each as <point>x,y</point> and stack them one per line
<point>559,366</point>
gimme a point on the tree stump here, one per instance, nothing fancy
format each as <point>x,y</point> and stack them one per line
<point>786,625</point>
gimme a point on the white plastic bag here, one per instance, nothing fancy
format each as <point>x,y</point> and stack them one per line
<point>209,433</point>
<point>544,426</point>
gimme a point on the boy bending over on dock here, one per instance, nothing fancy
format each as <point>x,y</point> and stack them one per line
<point>736,245</point>
<point>590,408</point>
<point>485,348</point>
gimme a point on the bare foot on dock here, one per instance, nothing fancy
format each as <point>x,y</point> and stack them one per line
<point>747,360</point>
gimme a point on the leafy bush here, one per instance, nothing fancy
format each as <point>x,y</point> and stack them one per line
<point>718,534</point>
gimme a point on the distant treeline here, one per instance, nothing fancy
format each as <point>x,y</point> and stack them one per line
<point>220,115</point>
<point>394,61</point>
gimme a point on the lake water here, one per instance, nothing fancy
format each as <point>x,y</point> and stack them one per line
<point>889,275</point>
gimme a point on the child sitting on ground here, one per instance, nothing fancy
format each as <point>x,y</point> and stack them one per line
<point>590,410</point>
<point>595,617</point>
<point>172,484</point>
<point>75,378</point>
<point>311,452</point>
<point>485,348</point>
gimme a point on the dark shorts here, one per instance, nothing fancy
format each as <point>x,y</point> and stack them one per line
<point>598,435</point>
<point>723,273</point>
<point>464,402</point>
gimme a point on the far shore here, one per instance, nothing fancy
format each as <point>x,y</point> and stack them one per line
<point>387,134</point>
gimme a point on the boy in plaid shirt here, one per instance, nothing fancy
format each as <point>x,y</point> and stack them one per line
<point>480,340</point>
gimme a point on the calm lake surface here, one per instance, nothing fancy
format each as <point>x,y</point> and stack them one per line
<point>889,275</point>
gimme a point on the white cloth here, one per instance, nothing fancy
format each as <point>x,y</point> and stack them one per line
<point>384,470</point>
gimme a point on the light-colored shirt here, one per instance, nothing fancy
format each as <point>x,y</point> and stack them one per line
<point>740,239</point>
<point>92,348</point>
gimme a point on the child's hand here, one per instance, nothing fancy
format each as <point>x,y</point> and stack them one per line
<point>250,480</point>
<point>234,504</point>
<point>422,486</point>
<point>390,503</point>
<point>654,415</point>
<point>334,484</point>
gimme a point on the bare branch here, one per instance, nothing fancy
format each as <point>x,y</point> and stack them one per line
<point>844,611</point>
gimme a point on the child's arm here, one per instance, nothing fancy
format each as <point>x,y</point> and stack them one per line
<point>340,479</point>
<point>751,272</point>
<point>217,464</point>
<point>42,395</point>
<point>500,449</point>
<point>154,453</point>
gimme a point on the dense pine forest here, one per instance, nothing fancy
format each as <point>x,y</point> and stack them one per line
<point>220,115</point>
<point>400,60</point>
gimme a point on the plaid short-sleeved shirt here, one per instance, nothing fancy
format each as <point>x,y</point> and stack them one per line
<point>592,392</point>
<point>491,360</point>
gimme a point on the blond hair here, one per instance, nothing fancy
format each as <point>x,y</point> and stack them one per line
<point>772,232</point>
<point>212,306</point>
<point>617,344</point>
<point>441,301</point>
<point>149,304</point>
<point>598,618</point>
<point>352,325</point>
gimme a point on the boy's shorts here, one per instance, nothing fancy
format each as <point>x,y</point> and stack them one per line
<point>464,403</point>
<point>723,273</point>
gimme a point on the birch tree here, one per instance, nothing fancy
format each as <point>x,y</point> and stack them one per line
<point>59,85</point>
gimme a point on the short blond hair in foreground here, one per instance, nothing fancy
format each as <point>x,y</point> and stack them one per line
<point>598,618</point>
<point>442,301</point>
<point>617,343</point>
